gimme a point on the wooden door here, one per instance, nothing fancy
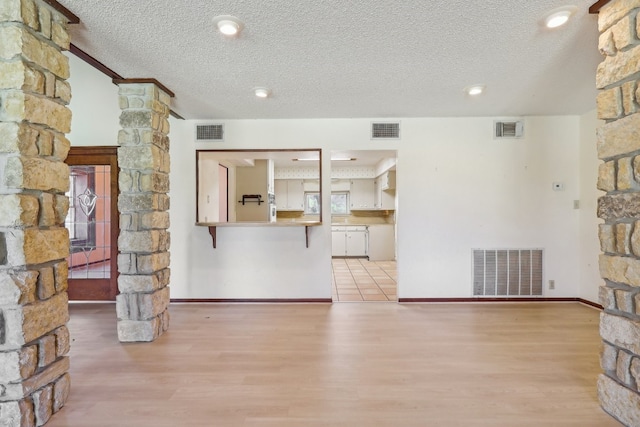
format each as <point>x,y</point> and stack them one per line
<point>92,222</point>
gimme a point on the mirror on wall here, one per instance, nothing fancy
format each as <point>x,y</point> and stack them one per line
<point>258,186</point>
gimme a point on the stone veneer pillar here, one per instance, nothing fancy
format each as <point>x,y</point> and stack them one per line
<point>618,143</point>
<point>143,244</point>
<point>34,244</point>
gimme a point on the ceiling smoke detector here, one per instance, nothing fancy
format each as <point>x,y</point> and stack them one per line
<point>228,25</point>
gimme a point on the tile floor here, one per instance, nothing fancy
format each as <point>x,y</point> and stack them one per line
<point>358,279</point>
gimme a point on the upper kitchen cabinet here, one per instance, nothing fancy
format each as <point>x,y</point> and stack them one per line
<point>362,194</point>
<point>289,194</point>
<point>387,181</point>
<point>385,191</point>
<point>383,199</point>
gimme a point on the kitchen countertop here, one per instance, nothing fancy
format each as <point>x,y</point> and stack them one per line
<point>260,224</point>
<point>213,226</point>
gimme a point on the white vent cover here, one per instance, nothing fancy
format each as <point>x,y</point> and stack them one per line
<point>387,130</point>
<point>507,272</point>
<point>508,129</point>
<point>209,132</point>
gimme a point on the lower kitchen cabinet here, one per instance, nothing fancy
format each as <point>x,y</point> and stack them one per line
<point>338,242</point>
<point>349,241</point>
<point>357,242</point>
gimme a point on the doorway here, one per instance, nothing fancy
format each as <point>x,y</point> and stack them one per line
<point>363,225</point>
<point>92,222</point>
<point>358,279</point>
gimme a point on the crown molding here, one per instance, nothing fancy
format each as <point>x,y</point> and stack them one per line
<point>71,17</point>
<point>595,8</point>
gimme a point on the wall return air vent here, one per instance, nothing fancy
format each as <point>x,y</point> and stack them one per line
<point>507,272</point>
<point>512,129</point>
<point>209,132</point>
<point>385,130</point>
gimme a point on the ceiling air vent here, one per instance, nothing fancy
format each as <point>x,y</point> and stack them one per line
<point>508,129</point>
<point>209,132</point>
<point>385,130</point>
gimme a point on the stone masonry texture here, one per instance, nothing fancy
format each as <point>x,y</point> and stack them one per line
<point>34,243</point>
<point>143,181</point>
<point>618,146</point>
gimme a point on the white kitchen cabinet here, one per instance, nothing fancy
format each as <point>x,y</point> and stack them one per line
<point>289,194</point>
<point>361,195</point>
<point>388,180</point>
<point>385,191</point>
<point>383,199</point>
<point>295,194</point>
<point>382,242</point>
<point>338,241</point>
<point>280,188</point>
<point>357,242</point>
<point>349,241</point>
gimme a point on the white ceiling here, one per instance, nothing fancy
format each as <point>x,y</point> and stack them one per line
<point>343,59</point>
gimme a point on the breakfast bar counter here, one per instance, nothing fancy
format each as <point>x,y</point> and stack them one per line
<point>213,226</point>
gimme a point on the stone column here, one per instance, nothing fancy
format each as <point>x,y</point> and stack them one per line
<point>619,176</point>
<point>143,244</point>
<point>34,244</point>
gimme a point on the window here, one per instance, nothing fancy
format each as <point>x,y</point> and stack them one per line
<point>80,219</point>
<point>312,203</point>
<point>340,203</point>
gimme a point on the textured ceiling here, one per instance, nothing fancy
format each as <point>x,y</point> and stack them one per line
<point>342,59</point>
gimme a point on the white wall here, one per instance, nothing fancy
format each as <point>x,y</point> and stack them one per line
<point>94,105</point>
<point>458,189</point>
<point>589,244</point>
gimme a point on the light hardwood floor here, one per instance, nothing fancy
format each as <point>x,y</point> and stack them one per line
<point>368,364</point>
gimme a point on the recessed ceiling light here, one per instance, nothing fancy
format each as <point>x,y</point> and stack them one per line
<point>228,25</point>
<point>261,92</point>
<point>560,16</point>
<point>474,90</point>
